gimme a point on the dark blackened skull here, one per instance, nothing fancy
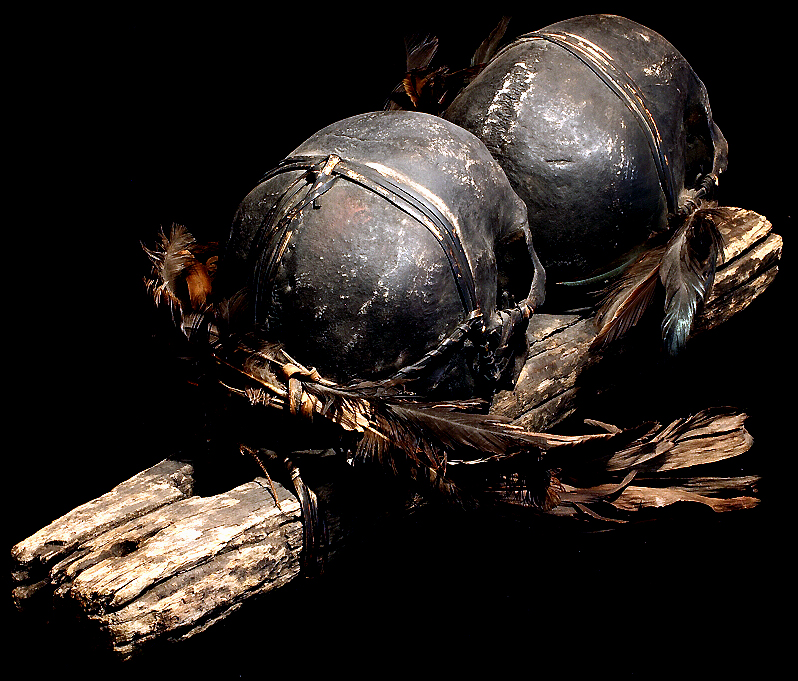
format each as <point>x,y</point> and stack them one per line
<point>385,247</point>
<point>603,129</point>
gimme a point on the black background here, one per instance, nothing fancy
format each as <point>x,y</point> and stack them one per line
<point>132,120</point>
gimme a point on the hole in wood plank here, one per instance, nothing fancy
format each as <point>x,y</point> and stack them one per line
<point>123,548</point>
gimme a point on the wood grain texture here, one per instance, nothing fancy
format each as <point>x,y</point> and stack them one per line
<point>148,560</point>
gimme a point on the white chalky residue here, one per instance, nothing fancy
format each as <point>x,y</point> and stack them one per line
<point>505,99</point>
<point>656,69</point>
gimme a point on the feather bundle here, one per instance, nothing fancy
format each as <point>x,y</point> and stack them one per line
<point>182,271</point>
<point>684,266</point>
<point>598,482</point>
<point>418,438</point>
<point>431,89</point>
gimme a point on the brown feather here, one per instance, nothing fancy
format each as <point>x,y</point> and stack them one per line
<point>484,53</point>
<point>419,52</point>
<point>430,89</point>
<point>182,270</point>
<point>629,298</point>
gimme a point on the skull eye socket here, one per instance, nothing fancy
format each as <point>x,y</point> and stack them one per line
<point>515,270</point>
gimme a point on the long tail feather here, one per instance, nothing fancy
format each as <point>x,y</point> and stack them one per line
<point>629,299</point>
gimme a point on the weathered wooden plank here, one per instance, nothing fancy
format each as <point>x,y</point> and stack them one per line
<point>742,278</point>
<point>168,565</point>
<point>152,489</point>
<point>559,352</point>
<point>216,553</point>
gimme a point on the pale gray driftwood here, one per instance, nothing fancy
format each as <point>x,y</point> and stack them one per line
<point>147,560</point>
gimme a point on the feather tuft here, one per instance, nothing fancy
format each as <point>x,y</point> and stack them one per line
<point>182,270</point>
<point>420,51</point>
<point>431,89</point>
